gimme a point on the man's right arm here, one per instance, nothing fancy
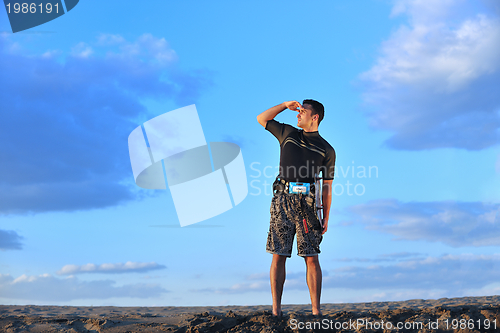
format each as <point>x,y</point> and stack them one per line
<point>269,114</point>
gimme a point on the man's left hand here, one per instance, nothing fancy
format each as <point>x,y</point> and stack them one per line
<point>325,225</point>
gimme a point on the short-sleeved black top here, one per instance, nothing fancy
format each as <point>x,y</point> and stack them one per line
<point>302,154</point>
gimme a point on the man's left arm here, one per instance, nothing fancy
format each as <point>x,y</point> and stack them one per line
<point>326,202</point>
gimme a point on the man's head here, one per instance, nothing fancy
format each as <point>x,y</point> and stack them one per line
<point>311,115</point>
<point>316,108</point>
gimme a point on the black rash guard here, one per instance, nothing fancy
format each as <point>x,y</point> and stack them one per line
<point>302,154</point>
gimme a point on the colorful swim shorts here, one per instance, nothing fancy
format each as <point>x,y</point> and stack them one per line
<point>294,214</point>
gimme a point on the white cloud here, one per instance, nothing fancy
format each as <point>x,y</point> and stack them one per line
<point>51,54</point>
<point>128,267</point>
<point>154,50</point>
<point>453,223</point>
<point>444,276</point>
<point>239,288</point>
<point>433,83</point>
<point>110,39</point>
<point>82,50</point>
<point>390,257</point>
<point>245,287</point>
<point>399,295</point>
<point>47,288</point>
<point>444,61</point>
<point>448,274</point>
<point>423,11</point>
<point>259,282</point>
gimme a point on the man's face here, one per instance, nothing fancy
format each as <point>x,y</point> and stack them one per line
<point>304,117</point>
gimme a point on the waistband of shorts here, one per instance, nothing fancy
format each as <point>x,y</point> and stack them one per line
<point>286,185</point>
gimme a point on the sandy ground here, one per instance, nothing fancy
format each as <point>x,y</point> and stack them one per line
<point>466,314</point>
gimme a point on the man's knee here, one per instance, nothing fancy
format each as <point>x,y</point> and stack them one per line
<point>279,259</point>
<point>312,260</point>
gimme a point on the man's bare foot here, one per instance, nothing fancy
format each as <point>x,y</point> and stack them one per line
<point>278,314</point>
<point>316,312</point>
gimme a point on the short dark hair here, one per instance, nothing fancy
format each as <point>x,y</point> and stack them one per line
<point>317,108</point>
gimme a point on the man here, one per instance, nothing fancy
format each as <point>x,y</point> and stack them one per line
<point>303,154</point>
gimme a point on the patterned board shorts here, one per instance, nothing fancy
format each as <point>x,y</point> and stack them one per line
<point>290,214</point>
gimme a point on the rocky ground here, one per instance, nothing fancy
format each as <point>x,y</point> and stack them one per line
<point>468,314</point>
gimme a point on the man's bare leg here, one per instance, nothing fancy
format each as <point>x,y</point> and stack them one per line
<point>278,276</point>
<point>314,280</point>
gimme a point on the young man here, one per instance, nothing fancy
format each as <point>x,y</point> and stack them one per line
<point>303,154</point>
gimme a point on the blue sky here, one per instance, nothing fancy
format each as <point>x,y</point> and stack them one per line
<point>409,88</point>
